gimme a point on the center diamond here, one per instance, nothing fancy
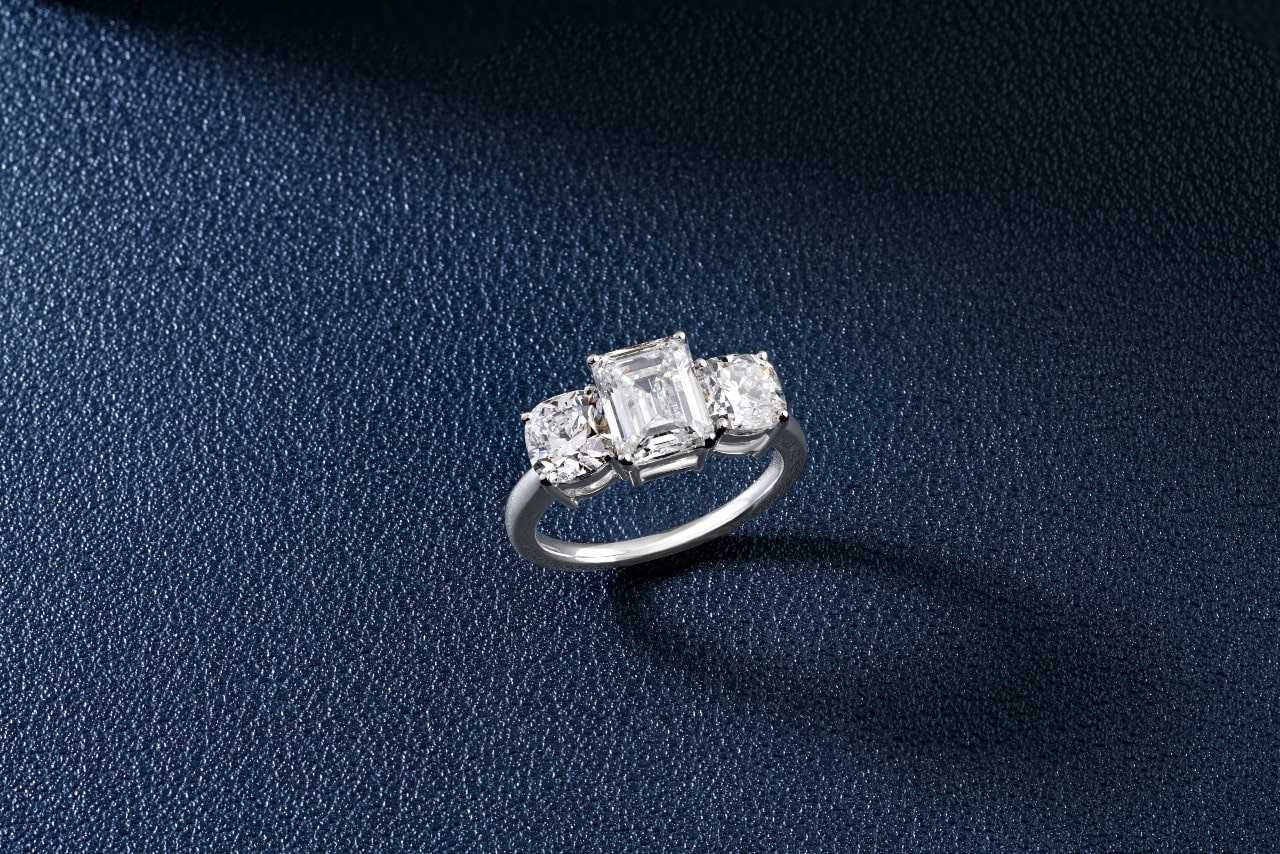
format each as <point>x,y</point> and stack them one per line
<point>653,401</point>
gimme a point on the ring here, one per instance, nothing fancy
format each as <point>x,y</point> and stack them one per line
<point>653,411</point>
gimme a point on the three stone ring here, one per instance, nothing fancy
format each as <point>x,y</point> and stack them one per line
<point>652,412</point>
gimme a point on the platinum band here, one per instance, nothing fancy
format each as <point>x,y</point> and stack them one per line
<point>530,499</point>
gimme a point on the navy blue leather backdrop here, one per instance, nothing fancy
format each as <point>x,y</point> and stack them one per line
<point>277,284</point>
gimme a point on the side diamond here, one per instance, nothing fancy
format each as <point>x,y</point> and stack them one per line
<point>743,392</point>
<point>565,437</point>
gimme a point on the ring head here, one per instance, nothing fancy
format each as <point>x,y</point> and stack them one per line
<point>653,402</point>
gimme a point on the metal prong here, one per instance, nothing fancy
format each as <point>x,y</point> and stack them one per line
<point>700,364</point>
<point>525,416</point>
<point>763,356</point>
<point>772,434</point>
<point>626,469</point>
<point>590,391</point>
<point>680,336</point>
<point>559,494</point>
<point>593,360</point>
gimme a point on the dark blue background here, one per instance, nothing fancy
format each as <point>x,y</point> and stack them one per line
<point>275,285</point>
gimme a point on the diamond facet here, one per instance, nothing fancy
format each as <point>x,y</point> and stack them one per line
<point>565,436</point>
<point>652,400</point>
<point>745,391</point>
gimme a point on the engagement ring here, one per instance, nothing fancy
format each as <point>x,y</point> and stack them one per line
<point>653,411</point>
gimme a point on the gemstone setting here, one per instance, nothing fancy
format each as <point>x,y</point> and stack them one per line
<point>743,392</point>
<point>652,400</point>
<point>566,437</point>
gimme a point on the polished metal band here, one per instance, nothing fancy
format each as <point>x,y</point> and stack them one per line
<point>530,499</point>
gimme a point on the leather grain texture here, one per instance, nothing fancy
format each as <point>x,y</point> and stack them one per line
<point>276,283</point>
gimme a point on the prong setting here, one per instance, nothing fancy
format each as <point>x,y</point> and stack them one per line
<point>626,470</point>
<point>629,424</point>
<point>559,494</point>
<point>653,399</point>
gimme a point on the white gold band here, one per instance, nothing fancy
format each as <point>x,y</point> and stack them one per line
<point>530,499</point>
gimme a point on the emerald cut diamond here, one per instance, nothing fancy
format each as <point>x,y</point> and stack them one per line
<point>652,400</point>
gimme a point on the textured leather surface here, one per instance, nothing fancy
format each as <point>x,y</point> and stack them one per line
<point>275,286</point>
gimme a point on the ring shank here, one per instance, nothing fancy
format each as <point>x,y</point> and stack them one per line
<point>529,501</point>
